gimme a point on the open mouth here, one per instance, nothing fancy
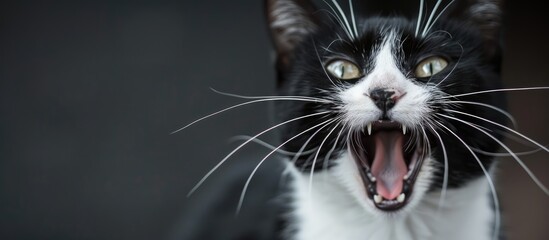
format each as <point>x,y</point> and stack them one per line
<point>389,159</point>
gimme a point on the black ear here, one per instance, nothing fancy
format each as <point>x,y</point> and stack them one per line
<point>290,21</point>
<point>487,17</point>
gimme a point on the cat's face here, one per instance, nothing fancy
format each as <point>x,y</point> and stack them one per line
<point>388,95</point>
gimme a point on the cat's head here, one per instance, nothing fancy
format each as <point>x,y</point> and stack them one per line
<point>390,92</point>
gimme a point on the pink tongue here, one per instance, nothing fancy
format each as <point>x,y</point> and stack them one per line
<point>389,166</point>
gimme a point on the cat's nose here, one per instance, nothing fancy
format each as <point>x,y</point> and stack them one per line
<point>385,98</point>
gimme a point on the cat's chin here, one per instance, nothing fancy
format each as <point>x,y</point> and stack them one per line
<point>388,157</point>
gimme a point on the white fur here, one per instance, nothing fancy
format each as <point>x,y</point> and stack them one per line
<point>410,110</point>
<point>337,207</point>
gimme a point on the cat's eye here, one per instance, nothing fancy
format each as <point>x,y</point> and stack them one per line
<point>344,70</point>
<point>430,66</point>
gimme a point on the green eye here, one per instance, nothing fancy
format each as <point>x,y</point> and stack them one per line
<point>430,66</point>
<point>343,69</point>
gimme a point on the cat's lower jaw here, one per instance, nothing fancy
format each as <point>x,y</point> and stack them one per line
<point>335,206</point>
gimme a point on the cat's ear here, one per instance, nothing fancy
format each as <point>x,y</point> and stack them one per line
<point>487,17</point>
<point>290,21</point>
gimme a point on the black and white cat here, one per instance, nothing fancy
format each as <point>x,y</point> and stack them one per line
<point>388,122</point>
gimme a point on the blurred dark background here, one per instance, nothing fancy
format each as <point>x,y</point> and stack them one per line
<point>90,90</point>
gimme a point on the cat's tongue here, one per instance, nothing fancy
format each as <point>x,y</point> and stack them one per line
<point>389,166</point>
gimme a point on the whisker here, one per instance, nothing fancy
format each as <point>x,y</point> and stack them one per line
<point>268,97</point>
<point>327,158</point>
<point>453,68</point>
<point>316,156</point>
<point>300,152</point>
<point>446,166</point>
<point>507,114</point>
<point>243,193</point>
<point>517,139</point>
<point>321,65</point>
<point>420,16</point>
<point>488,178</point>
<point>430,17</point>
<point>340,20</point>
<point>498,154</point>
<point>344,17</point>
<point>267,145</point>
<point>501,126</point>
<point>327,48</point>
<point>498,90</point>
<point>353,17</point>
<point>438,16</point>
<point>243,104</point>
<point>242,145</point>
<point>307,162</point>
<point>520,162</point>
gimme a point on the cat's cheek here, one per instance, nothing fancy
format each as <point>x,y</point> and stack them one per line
<point>358,109</point>
<point>412,109</point>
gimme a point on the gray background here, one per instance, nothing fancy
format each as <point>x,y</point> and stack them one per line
<point>89,92</point>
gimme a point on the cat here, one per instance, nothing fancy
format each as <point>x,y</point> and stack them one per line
<point>388,124</point>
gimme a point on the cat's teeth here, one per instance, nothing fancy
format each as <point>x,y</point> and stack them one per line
<point>369,128</point>
<point>378,198</point>
<point>403,129</point>
<point>371,177</point>
<point>401,198</point>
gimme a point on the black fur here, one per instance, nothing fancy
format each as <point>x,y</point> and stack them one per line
<point>473,69</point>
<point>472,51</point>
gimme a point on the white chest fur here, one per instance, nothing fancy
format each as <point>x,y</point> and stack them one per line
<point>335,206</point>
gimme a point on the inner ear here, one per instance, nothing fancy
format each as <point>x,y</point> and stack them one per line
<point>290,21</point>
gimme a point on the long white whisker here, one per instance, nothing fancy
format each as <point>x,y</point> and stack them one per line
<point>498,90</point>
<point>488,178</point>
<point>327,48</point>
<point>438,16</point>
<point>353,17</point>
<point>340,21</point>
<point>515,138</point>
<point>267,145</point>
<point>344,17</point>
<point>430,18</point>
<point>242,145</point>
<point>501,126</point>
<point>520,162</point>
<point>300,151</point>
<point>294,159</point>
<point>420,16</point>
<point>307,161</point>
<point>327,158</point>
<point>316,156</point>
<point>507,114</point>
<point>243,193</point>
<point>453,68</point>
<point>498,154</point>
<point>243,104</point>
<point>445,176</point>
<point>322,67</point>
<point>268,97</point>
